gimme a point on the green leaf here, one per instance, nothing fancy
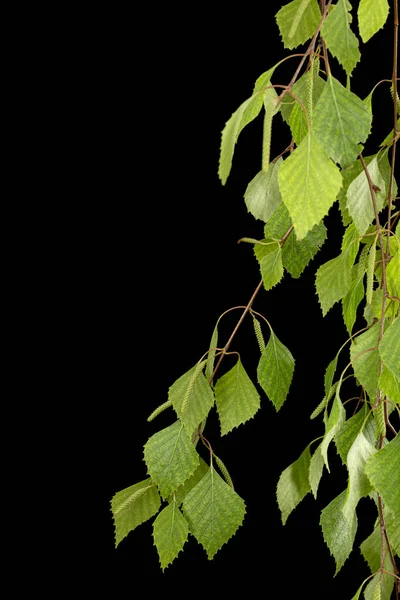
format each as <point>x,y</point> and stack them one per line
<point>329,374</point>
<point>170,457</point>
<point>389,348</point>
<point>338,532</point>
<point>385,169</point>
<point>182,491</point>
<point>393,275</point>
<point>365,360</point>
<point>354,296</point>
<point>246,113</point>
<point>296,254</point>
<point>372,15</point>
<point>293,484</point>
<point>389,384</point>
<point>236,398</point>
<point>357,595</point>
<point>391,136</point>
<point>297,22</point>
<point>334,278</point>
<point>170,532</point>
<point>359,484</point>
<point>298,124</point>
<point>393,531</point>
<point>383,471</point>
<point>192,397</point>
<point>347,434</point>
<point>349,173</point>
<point>339,38</point>
<point>309,182</point>
<point>214,512</point>
<point>371,549</point>
<point>316,470</point>
<point>359,201</point>
<point>271,266</point>
<point>275,371</point>
<point>134,505</point>
<point>336,419</point>
<point>341,121</point>
<point>278,224</point>
<point>262,196</point>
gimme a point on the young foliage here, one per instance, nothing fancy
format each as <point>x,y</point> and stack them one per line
<point>293,484</point>
<point>297,21</point>
<point>372,15</point>
<point>246,113</point>
<point>309,182</point>
<point>365,359</point>
<point>338,531</point>
<point>339,38</point>
<point>170,457</point>
<point>389,348</point>
<point>359,485</point>
<point>134,505</point>
<point>383,471</point>
<point>170,532</point>
<point>192,397</point>
<point>236,398</point>
<point>341,121</point>
<point>275,371</point>
<point>359,202</point>
<point>291,195</point>
<point>262,196</point>
<point>214,512</point>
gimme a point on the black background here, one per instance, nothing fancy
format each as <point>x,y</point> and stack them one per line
<point>154,236</point>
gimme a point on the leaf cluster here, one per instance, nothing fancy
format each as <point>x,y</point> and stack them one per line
<point>291,195</point>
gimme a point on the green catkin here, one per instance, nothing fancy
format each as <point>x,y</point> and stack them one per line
<point>259,335</point>
<point>377,591</point>
<point>370,272</point>
<point>223,470</point>
<point>131,500</point>
<point>197,371</point>
<point>310,90</point>
<point>397,99</point>
<point>267,136</point>
<point>379,414</point>
<point>159,410</point>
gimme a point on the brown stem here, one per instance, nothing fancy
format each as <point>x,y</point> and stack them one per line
<point>383,532</point>
<point>238,324</point>
<point>285,237</point>
<point>243,315</point>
